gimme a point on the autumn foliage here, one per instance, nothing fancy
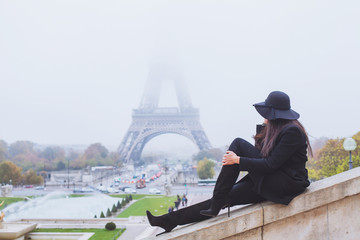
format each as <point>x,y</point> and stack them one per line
<point>9,171</point>
<point>332,159</point>
<point>205,169</point>
<point>22,161</point>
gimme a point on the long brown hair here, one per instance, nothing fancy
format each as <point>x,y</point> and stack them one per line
<point>265,140</point>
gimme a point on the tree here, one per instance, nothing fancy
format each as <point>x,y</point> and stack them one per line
<point>318,144</point>
<point>95,155</point>
<point>60,165</point>
<point>96,150</point>
<point>72,155</point>
<point>21,147</point>
<point>332,159</point>
<point>9,171</point>
<point>48,153</point>
<point>30,160</point>
<point>31,177</point>
<point>114,209</point>
<point>205,169</point>
<point>22,153</point>
<point>108,213</point>
<point>4,153</point>
<point>217,154</point>
<point>55,157</point>
<point>201,155</point>
<point>102,215</point>
<point>110,226</point>
<point>213,153</point>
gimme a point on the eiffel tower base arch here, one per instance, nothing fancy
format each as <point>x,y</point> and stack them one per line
<point>146,126</point>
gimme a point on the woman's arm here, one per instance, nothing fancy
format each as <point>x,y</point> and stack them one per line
<point>230,158</point>
<point>290,141</point>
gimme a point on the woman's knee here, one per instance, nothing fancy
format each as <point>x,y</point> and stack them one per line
<point>236,143</point>
<point>241,147</point>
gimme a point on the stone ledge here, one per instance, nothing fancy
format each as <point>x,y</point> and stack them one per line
<point>254,217</point>
<point>240,220</point>
<point>318,194</point>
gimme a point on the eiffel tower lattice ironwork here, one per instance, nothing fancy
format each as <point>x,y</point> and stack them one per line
<point>149,121</point>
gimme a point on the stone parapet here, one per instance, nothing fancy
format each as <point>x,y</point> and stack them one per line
<point>328,209</point>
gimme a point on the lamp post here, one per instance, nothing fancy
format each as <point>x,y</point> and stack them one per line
<point>165,171</point>
<point>68,178</point>
<point>185,185</point>
<point>349,145</point>
<point>45,174</point>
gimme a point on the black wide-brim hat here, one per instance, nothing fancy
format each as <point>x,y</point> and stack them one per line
<point>276,106</point>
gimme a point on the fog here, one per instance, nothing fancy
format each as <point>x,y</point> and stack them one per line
<point>72,71</point>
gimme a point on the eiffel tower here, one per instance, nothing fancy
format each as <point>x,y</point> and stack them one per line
<point>149,121</point>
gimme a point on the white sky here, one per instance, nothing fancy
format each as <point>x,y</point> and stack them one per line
<point>72,71</point>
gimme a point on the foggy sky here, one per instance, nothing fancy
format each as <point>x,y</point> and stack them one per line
<point>72,71</point>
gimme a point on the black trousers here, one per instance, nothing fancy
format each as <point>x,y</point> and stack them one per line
<point>238,193</point>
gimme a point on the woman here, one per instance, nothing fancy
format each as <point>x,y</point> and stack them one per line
<point>275,165</point>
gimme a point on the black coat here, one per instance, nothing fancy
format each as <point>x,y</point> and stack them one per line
<point>282,175</point>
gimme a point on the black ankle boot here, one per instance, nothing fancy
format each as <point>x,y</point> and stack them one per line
<point>216,206</point>
<point>164,222</point>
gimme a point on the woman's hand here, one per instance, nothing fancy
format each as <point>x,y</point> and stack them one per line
<point>230,158</point>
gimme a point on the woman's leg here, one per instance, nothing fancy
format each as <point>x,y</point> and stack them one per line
<point>183,216</point>
<point>242,193</point>
<point>228,176</point>
<point>243,148</point>
<point>192,213</point>
<point>229,173</point>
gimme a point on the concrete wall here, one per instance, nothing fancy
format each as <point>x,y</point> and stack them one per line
<point>329,209</point>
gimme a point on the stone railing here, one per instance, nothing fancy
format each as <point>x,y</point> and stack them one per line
<point>328,209</point>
